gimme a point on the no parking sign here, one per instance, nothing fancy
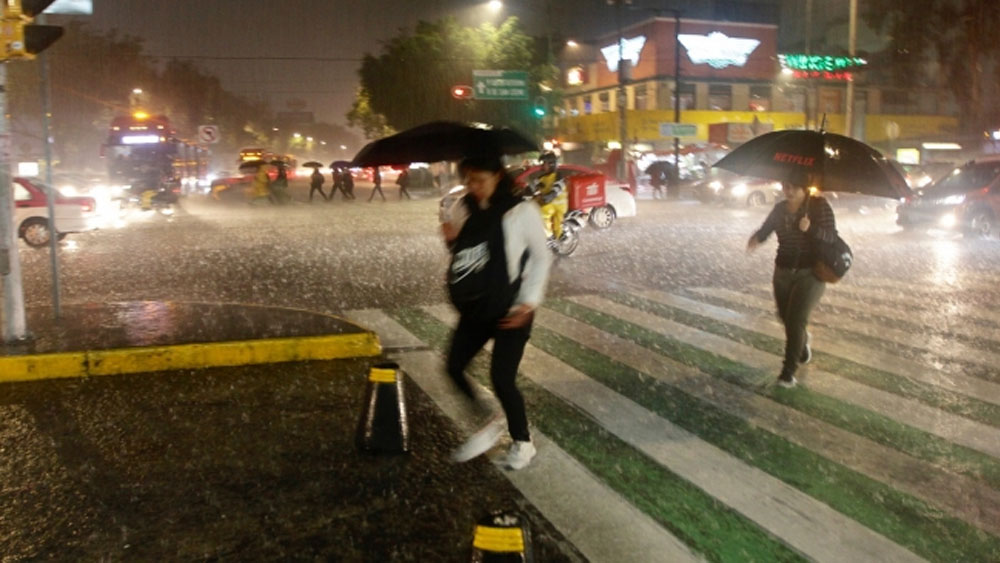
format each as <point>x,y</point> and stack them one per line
<point>208,134</point>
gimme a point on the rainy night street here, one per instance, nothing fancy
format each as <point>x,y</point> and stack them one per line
<point>649,384</point>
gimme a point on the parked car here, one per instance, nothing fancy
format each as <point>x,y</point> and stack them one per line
<point>31,213</point>
<point>729,188</point>
<point>967,199</point>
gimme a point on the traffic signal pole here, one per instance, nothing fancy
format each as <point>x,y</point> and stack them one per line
<point>14,326</point>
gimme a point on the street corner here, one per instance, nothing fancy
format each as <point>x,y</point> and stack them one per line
<point>152,336</point>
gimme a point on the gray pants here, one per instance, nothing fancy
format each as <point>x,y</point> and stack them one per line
<point>796,292</point>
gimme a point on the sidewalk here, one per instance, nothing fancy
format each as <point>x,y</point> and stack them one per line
<point>148,336</point>
<point>251,457</point>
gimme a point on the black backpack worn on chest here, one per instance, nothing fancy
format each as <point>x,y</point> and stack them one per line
<point>478,282</point>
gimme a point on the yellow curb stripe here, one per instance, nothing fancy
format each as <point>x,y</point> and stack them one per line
<point>189,356</point>
<point>43,366</point>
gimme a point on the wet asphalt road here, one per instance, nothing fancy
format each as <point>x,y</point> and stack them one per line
<point>331,257</point>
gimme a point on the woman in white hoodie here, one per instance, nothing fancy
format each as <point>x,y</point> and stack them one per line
<point>499,268</point>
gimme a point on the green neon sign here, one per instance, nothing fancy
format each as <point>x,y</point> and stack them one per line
<point>820,62</point>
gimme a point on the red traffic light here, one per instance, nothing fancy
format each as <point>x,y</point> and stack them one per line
<point>461,92</point>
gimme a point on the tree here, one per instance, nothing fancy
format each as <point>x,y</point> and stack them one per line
<point>947,42</point>
<point>409,82</point>
<point>361,116</point>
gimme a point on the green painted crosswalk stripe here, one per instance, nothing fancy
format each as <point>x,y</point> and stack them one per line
<point>970,369</point>
<point>701,521</point>
<point>900,517</point>
<point>969,407</point>
<point>878,428</point>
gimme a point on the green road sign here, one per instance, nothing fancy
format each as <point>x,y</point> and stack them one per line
<point>500,84</point>
<point>678,130</point>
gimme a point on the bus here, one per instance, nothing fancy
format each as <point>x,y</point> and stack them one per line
<point>142,148</point>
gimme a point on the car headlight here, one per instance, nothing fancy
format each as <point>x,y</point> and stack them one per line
<point>739,190</point>
<point>715,185</point>
<point>948,220</point>
<point>953,200</point>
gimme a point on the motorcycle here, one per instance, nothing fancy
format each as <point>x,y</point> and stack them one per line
<point>572,222</point>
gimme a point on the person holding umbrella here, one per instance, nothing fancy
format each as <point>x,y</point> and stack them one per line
<point>316,180</point>
<point>377,180</point>
<point>799,220</point>
<point>499,269</point>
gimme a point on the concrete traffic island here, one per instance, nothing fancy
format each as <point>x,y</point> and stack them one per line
<point>150,336</point>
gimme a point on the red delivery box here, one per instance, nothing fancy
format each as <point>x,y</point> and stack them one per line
<point>586,191</point>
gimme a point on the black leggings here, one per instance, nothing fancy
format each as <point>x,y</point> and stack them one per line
<point>508,346</point>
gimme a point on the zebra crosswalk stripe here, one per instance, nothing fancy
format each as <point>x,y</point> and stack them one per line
<point>800,517</point>
<point>828,341</point>
<point>946,425</point>
<point>937,345</point>
<point>787,513</point>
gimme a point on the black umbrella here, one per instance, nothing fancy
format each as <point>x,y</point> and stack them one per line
<point>837,163</point>
<point>312,164</point>
<point>251,164</point>
<point>340,164</point>
<point>442,140</point>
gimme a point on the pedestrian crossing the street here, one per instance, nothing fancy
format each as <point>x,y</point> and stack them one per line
<point>662,436</point>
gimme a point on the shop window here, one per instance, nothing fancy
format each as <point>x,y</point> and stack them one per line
<point>720,97</point>
<point>641,97</point>
<point>897,101</point>
<point>605,101</point>
<point>687,97</point>
<point>760,98</point>
<point>830,101</point>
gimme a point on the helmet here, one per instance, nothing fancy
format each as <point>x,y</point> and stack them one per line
<point>548,157</point>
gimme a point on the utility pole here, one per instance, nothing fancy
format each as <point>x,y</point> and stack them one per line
<point>623,74</point>
<point>43,69</point>
<point>20,39</point>
<point>852,44</point>
<point>677,96</point>
<point>14,327</point>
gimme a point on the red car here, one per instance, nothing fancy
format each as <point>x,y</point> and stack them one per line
<point>31,213</point>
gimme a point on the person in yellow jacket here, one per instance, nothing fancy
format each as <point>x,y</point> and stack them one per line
<point>260,190</point>
<point>552,195</point>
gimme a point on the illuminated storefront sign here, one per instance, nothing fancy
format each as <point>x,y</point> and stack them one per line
<point>717,50</point>
<point>576,76</point>
<point>630,52</point>
<point>824,75</point>
<point>820,63</point>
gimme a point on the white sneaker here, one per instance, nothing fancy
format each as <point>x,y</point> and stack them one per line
<point>480,442</point>
<point>807,353</point>
<point>520,455</point>
<point>788,383</point>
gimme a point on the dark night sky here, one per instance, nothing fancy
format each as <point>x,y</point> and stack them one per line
<point>338,32</point>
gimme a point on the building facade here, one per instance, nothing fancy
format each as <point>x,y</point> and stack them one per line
<point>729,73</point>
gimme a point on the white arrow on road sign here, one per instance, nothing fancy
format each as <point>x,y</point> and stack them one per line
<point>208,133</point>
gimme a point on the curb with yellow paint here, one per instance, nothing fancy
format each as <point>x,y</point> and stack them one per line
<point>147,359</point>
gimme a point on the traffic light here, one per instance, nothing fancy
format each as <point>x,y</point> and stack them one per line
<point>461,92</point>
<point>539,108</point>
<point>21,39</point>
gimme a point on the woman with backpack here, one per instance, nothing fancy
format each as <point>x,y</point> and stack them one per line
<point>497,277</point>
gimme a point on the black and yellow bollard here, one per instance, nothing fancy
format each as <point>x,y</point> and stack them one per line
<point>383,428</point>
<point>502,537</point>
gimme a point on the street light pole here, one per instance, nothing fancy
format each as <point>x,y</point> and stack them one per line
<point>677,95</point>
<point>622,102</point>
<point>852,40</point>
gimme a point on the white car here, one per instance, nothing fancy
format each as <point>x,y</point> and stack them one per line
<point>31,213</point>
